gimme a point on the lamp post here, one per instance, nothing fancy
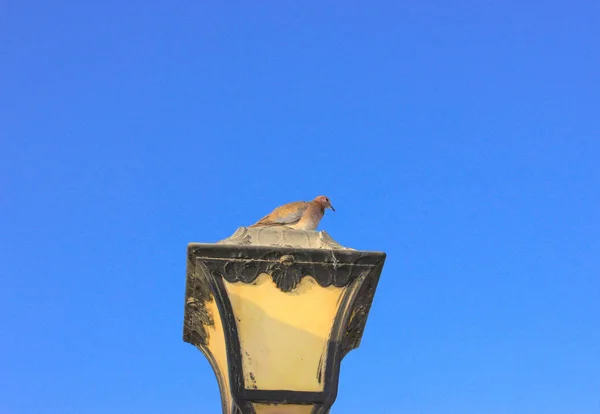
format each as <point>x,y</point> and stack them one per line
<point>275,310</point>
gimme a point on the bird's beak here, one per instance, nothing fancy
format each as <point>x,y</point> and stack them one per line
<point>331,207</point>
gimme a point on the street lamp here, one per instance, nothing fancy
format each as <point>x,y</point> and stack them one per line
<point>275,310</point>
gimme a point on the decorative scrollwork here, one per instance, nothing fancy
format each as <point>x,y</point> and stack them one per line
<point>287,270</point>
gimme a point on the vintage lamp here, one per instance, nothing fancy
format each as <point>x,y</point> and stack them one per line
<point>275,310</point>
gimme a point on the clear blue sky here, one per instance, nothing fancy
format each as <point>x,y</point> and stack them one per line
<point>462,138</point>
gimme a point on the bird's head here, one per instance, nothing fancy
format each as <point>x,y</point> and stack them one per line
<point>324,202</point>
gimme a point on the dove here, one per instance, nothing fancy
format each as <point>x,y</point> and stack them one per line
<point>299,215</point>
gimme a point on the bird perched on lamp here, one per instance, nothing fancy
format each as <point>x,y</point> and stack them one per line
<point>299,215</point>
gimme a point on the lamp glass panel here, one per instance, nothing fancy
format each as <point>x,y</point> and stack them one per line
<point>284,335</point>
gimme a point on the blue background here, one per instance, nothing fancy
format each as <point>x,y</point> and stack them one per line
<point>462,138</point>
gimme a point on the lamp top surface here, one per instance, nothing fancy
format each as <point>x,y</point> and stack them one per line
<point>282,244</point>
<point>282,236</point>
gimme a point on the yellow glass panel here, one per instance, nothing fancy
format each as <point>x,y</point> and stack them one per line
<point>283,335</point>
<point>282,409</point>
<point>218,351</point>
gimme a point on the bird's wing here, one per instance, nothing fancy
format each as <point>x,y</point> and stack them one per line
<point>286,214</point>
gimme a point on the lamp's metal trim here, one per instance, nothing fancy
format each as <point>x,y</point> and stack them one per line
<point>283,397</point>
<point>287,266</point>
